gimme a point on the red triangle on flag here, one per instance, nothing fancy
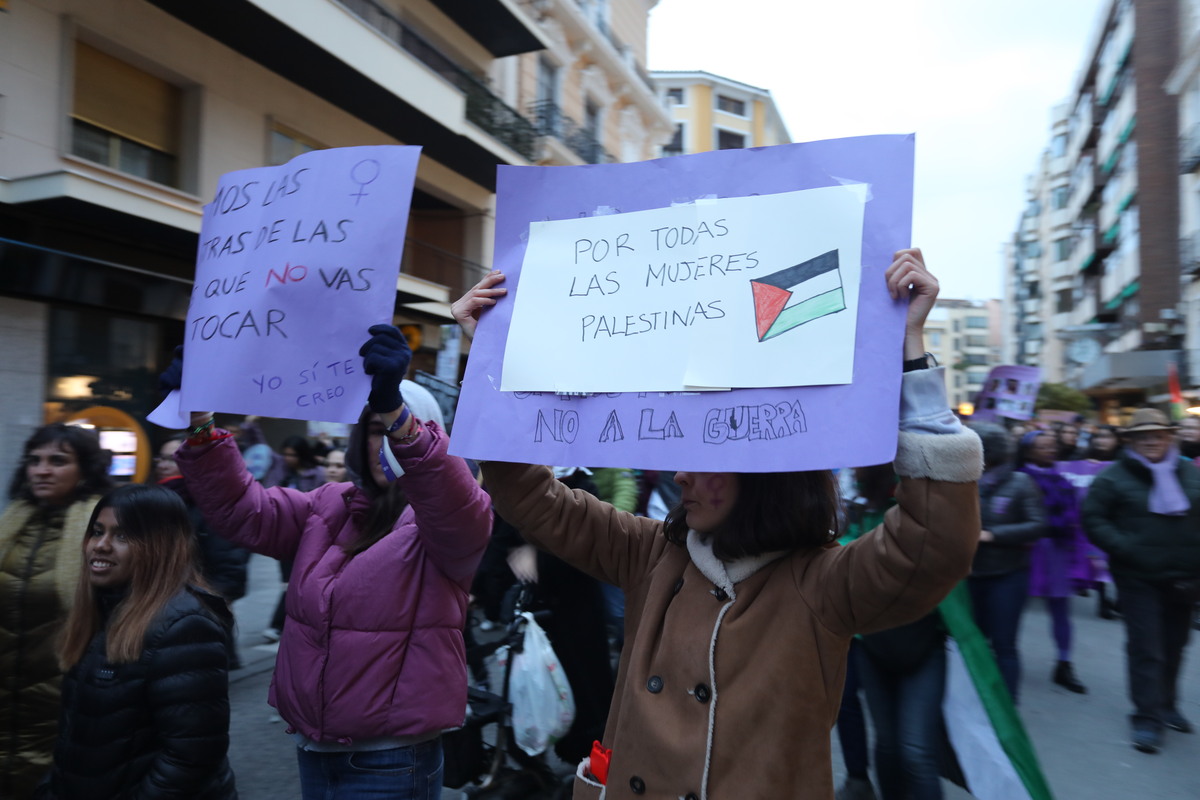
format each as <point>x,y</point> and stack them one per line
<point>768,302</point>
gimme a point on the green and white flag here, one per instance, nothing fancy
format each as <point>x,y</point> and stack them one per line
<point>994,751</point>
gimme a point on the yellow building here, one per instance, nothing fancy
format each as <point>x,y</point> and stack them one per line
<point>715,113</point>
<point>588,93</point>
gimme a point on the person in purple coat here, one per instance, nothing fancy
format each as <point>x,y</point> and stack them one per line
<point>371,665</point>
<point>1058,563</point>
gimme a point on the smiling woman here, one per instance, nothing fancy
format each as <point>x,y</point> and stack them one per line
<point>145,700</point>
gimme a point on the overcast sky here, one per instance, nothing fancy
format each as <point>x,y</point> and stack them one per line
<point>976,81</point>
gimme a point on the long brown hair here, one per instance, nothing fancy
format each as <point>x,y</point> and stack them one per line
<point>774,511</point>
<point>156,525</point>
<point>386,503</point>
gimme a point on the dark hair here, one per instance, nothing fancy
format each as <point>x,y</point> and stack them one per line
<point>158,529</point>
<point>996,442</point>
<point>774,511</point>
<point>83,442</point>
<point>386,504</point>
<point>304,451</point>
<point>1093,449</point>
<point>1025,446</point>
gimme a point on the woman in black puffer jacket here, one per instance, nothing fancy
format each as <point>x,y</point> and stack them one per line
<point>145,700</point>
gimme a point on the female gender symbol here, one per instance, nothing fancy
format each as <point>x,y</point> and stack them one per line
<point>368,166</point>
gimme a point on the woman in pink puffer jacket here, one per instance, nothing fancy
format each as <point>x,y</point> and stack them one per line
<point>371,665</point>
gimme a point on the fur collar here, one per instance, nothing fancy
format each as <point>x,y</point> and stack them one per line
<point>68,558</point>
<point>726,574</point>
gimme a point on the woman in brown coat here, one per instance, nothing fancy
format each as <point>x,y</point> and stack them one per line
<point>740,607</point>
<point>53,492</point>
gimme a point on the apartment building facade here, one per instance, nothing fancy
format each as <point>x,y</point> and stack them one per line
<point>710,112</point>
<point>117,118</point>
<point>588,93</point>
<point>1092,271</point>
<point>965,337</point>
<point>1184,84</point>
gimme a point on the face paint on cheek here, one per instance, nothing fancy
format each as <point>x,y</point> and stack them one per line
<point>715,486</point>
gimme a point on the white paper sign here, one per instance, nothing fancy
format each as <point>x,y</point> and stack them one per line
<point>738,292</point>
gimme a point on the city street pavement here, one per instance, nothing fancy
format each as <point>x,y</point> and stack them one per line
<point>1081,740</point>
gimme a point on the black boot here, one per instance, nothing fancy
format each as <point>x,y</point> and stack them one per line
<point>1064,676</point>
<point>1105,608</point>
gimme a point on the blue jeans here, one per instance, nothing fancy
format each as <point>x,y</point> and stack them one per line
<point>851,724</point>
<point>997,602</point>
<point>402,773</point>
<point>906,709</point>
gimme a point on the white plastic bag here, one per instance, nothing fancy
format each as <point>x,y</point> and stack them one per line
<point>542,704</point>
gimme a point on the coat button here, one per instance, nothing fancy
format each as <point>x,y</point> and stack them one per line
<point>637,785</point>
<point>720,594</point>
<point>678,586</point>
<point>691,796</point>
<point>655,684</point>
<point>701,692</point>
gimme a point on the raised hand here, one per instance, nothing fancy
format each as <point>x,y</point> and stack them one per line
<point>466,309</point>
<point>386,357</point>
<point>908,277</point>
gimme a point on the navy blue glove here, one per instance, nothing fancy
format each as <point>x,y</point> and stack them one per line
<point>172,377</point>
<point>386,356</point>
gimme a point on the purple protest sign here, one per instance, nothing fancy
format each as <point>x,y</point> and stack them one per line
<point>1081,474</point>
<point>748,429</point>
<point>295,263</point>
<point>1009,391</point>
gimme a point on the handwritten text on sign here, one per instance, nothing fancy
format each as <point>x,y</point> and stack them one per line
<point>720,293</point>
<point>743,430</point>
<point>294,264</point>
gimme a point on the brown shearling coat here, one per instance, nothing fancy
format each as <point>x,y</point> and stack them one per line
<point>731,676</point>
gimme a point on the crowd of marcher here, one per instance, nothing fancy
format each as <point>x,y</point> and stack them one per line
<point>1068,508</point>
<point>667,593</point>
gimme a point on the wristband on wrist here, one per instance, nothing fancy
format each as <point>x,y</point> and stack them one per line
<point>400,420</point>
<point>926,361</point>
<point>201,433</point>
<point>387,459</point>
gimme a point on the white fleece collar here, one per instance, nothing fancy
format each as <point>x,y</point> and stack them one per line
<point>725,574</point>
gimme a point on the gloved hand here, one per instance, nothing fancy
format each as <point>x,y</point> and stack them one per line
<point>386,356</point>
<point>172,377</point>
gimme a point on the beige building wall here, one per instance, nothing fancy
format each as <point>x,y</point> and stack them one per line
<point>234,100</point>
<point>694,100</point>
<point>90,226</point>
<point>598,51</point>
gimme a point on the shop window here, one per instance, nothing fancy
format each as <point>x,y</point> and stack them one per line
<point>103,371</point>
<point>125,118</point>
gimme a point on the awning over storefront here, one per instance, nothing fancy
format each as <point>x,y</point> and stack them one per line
<point>41,273</point>
<point>1138,369</point>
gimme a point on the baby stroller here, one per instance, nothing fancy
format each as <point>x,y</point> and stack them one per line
<point>482,757</point>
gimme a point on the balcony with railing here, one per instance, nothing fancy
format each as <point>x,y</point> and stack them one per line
<point>549,120</point>
<point>438,266</point>
<point>483,108</point>
<point>1083,250</point>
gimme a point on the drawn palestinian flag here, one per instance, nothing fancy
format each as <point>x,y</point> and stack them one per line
<point>791,297</point>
